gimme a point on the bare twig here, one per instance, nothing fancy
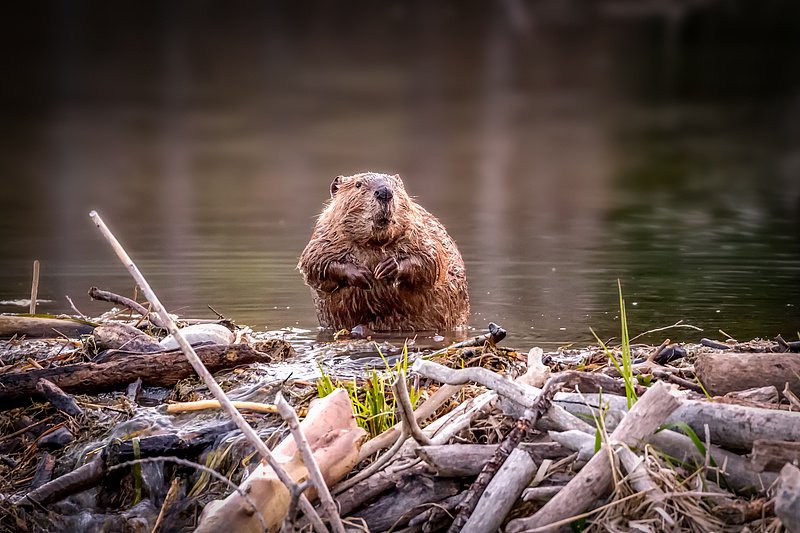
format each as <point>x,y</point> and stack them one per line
<point>678,324</point>
<point>444,393</point>
<point>249,433</point>
<point>406,410</point>
<point>77,311</point>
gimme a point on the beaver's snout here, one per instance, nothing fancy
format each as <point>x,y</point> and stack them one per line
<point>383,193</point>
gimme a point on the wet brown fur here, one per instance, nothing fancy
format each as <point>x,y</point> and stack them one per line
<point>386,264</point>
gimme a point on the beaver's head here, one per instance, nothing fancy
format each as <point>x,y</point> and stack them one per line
<point>371,208</point>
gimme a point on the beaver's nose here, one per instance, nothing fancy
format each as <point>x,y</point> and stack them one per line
<point>383,193</point>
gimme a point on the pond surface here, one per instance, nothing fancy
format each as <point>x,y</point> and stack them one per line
<point>563,146</point>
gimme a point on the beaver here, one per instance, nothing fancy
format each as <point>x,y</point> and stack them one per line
<point>378,259</point>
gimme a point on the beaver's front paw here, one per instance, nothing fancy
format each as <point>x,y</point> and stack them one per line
<point>349,275</point>
<point>388,269</point>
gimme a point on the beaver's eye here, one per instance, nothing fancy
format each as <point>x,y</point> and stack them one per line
<point>358,185</point>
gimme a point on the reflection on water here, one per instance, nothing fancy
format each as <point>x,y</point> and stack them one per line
<point>563,146</point>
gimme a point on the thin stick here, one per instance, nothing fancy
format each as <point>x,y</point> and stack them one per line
<point>248,432</point>
<point>678,324</point>
<point>201,405</point>
<point>77,311</point>
<point>35,286</point>
<point>406,410</point>
<point>310,462</point>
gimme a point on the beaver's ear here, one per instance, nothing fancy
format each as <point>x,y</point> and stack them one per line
<point>335,185</point>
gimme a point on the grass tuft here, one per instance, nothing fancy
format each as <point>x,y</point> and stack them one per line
<point>373,401</point>
<point>626,367</point>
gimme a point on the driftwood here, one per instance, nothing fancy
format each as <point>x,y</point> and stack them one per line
<point>372,487</point>
<point>309,461</point>
<point>42,327</point>
<point>594,480</point>
<point>511,441</point>
<point>758,395</point>
<point>161,369</point>
<point>466,460</point>
<point>502,492</point>
<point>334,438</point>
<point>721,373</point>
<point>732,426</point>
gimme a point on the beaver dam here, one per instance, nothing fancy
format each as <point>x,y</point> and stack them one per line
<point>138,420</point>
<point>106,427</point>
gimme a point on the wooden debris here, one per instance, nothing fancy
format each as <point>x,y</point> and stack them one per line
<point>721,373</point>
<point>594,480</point>
<point>334,438</point>
<point>162,369</point>
<point>42,327</point>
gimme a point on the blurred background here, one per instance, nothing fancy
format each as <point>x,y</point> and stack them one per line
<point>564,144</point>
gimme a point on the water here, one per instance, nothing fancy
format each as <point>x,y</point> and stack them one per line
<point>563,146</point>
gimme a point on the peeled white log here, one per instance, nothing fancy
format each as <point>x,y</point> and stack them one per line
<point>334,437</point>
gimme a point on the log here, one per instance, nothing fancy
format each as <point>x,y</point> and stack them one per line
<point>42,327</point>
<point>375,485</point>
<point>732,426</point>
<point>502,493</point>
<point>721,373</point>
<point>594,480</point>
<point>334,438</point>
<point>411,497</point>
<point>467,460</point>
<point>162,369</point>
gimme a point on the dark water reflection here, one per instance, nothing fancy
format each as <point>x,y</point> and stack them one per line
<point>563,146</point>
